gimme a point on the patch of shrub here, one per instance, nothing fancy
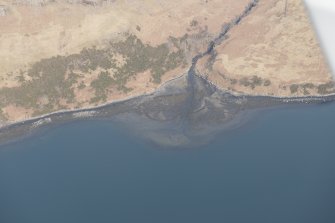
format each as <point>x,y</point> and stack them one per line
<point>294,88</point>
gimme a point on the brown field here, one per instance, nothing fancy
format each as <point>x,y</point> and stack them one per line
<point>68,54</point>
<point>270,53</point>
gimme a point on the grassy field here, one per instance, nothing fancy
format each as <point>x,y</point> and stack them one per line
<point>55,79</point>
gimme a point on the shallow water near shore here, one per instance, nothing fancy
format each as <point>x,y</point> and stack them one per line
<point>279,168</point>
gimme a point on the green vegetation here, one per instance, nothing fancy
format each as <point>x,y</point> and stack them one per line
<point>327,88</point>
<point>307,86</point>
<point>54,78</point>
<point>91,59</point>
<point>20,77</point>
<point>2,116</point>
<point>194,23</point>
<point>322,89</point>
<point>233,81</point>
<point>267,83</point>
<point>81,86</point>
<point>294,88</point>
<point>100,86</point>
<point>48,80</point>
<point>254,81</point>
<point>142,57</point>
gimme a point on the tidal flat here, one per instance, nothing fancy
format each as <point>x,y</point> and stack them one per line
<point>151,159</point>
<point>184,112</point>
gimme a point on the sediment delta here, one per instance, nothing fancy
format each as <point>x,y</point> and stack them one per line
<point>175,115</point>
<point>178,87</point>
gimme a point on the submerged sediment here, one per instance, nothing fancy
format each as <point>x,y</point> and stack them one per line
<point>184,111</point>
<point>166,116</point>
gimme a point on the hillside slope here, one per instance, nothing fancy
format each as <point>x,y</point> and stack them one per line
<point>273,51</point>
<point>70,54</point>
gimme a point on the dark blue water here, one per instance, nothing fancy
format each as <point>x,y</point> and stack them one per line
<point>281,168</point>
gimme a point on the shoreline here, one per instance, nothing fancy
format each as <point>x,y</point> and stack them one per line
<point>153,112</point>
<point>284,100</point>
<point>199,96</point>
<point>87,109</point>
<point>263,95</point>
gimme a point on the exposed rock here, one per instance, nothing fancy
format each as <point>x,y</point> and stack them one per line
<point>33,2</point>
<point>3,10</point>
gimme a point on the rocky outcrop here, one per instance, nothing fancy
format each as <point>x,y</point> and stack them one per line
<point>3,10</point>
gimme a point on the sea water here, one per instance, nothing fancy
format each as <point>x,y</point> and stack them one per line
<point>279,168</point>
